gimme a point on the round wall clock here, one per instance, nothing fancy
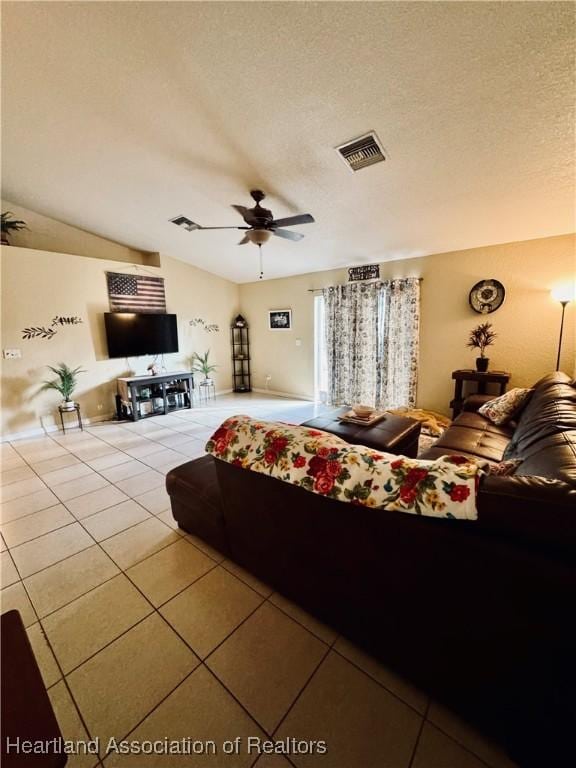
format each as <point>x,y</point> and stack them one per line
<point>486,296</point>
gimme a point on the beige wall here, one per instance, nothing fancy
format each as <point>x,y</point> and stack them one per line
<point>527,323</point>
<point>37,285</point>
<point>45,234</point>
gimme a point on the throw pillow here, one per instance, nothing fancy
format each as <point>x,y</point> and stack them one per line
<point>504,408</point>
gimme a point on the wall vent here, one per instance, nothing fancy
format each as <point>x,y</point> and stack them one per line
<point>362,152</point>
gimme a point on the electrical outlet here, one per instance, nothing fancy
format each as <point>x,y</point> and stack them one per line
<point>298,342</point>
<point>268,377</point>
<point>100,406</point>
<point>11,354</point>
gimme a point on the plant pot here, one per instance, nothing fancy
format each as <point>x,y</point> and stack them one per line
<point>208,382</point>
<point>482,364</point>
<point>68,405</point>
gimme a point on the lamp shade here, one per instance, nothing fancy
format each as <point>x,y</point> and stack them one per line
<point>565,292</point>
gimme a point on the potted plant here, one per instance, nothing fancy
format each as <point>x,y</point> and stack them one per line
<point>65,384</point>
<point>481,337</point>
<point>9,224</point>
<point>201,364</point>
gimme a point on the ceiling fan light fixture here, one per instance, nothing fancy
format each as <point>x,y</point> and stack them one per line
<point>258,236</point>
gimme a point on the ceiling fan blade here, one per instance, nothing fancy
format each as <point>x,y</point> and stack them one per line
<point>286,233</point>
<point>301,218</point>
<point>246,213</point>
<point>223,227</point>
<point>244,240</point>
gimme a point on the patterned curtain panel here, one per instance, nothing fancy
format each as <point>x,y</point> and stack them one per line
<point>372,334</point>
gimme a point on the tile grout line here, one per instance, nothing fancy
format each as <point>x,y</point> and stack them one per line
<point>419,734</point>
<point>77,520</point>
<point>457,741</point>
<point>129,498</point>
<point>154,608</point>
<point>391,692</point>
<point>301,691</point>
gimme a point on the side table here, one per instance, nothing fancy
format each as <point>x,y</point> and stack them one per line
<point>206,391</point>
<point>76,410</point>
<point>498,378</point>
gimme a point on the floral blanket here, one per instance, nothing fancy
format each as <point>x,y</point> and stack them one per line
<point>324,464</point>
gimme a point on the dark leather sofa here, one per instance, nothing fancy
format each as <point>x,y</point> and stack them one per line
<point>480,614</point>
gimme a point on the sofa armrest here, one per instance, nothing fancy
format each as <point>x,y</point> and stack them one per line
<point>473,402</point>
<point>538,510</point>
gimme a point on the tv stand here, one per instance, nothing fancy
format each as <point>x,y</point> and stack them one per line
<point>142,396</point>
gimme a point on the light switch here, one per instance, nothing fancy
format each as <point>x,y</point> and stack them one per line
<point>11,354</point>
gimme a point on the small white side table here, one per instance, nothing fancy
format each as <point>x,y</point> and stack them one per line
<point>206,391</point>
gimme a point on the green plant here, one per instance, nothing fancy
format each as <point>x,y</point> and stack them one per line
<point>66,381</point>
<point>10,224</point>
<point>481,337</point>
<point>201,364</point>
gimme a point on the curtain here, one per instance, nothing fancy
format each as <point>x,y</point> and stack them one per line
<point>371,334</point>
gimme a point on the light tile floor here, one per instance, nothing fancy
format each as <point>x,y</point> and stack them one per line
<point>141,630</point>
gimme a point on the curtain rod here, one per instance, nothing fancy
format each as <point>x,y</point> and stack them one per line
<point>318,290</point>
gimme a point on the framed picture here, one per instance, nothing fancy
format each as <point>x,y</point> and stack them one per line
<point>280,319</point>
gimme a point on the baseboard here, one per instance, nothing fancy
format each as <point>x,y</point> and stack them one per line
<point>29,434</point>
<point>40,431</point>
<point>288,395</point>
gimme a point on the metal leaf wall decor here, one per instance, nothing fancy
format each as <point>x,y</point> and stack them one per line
<point>209,328</point>
<point>41,332</point>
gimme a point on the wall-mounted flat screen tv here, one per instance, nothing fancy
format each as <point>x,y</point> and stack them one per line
<point>130,334</point>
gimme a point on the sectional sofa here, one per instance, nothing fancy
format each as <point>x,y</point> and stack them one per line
<point>479,613</point>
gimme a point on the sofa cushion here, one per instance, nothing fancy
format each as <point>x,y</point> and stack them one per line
<point>476,421</point>
<point>481,443</point>
<point>503,409</point>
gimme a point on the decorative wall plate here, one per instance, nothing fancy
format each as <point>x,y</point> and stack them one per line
<point>486,296</point>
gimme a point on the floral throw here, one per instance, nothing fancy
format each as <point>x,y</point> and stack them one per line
<point>324,464</point>
<point>503,409</point>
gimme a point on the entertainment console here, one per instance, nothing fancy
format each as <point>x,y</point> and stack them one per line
<point>142,396</point>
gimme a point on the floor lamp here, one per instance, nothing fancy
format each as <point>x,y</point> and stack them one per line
<point>564,294</point>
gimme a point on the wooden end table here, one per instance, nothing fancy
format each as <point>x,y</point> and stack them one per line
<point>498,378</point>
<point>75,410</point>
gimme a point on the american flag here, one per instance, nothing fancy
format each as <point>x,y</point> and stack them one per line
<point>135,293</point>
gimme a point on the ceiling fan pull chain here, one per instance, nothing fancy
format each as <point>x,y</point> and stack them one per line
<point>261,266</point>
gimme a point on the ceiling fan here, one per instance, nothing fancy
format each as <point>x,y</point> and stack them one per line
<point>261,224</point>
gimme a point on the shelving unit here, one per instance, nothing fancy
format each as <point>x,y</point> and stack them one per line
<point>142,396</point>
<point>240,338</point>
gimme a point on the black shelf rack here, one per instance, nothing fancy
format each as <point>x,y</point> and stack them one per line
<point>240,339</point>
<point>140,397</point>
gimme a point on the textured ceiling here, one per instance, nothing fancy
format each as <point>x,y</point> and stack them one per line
<point>119,116</point>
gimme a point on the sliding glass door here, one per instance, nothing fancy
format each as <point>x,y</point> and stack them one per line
<point>320,358</point>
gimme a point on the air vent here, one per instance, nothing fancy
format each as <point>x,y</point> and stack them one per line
<point>182,221</point>
<point>362,152</point>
